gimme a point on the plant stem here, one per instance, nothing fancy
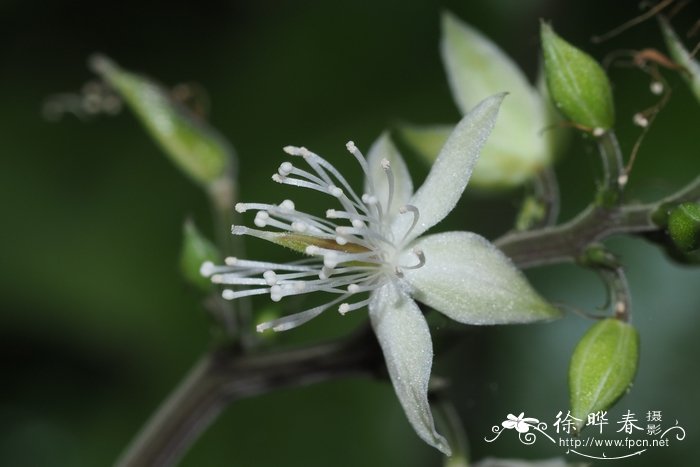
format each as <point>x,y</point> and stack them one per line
<point>224,375</point>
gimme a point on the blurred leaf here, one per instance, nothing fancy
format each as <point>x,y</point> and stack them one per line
<point>680,54</point>
<point>476,67</point>
<point>577,83</point>
<point>196,148</point>
<point>196,250</point>
<point>602,367</point>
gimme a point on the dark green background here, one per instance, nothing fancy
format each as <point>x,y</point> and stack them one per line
<point>97,326</point>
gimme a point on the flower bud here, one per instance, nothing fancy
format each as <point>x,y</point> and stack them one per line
<point>196,250</point>
<point>602,367</point>
<point>684,226</point>
<point>476,67</point>
<point>577,84</point>
<point>196,148</point>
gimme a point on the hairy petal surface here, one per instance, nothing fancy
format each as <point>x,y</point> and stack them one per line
<point>451,171</point>
<point>468,279</point>
<point>405,340</point>
<point>383,148</point>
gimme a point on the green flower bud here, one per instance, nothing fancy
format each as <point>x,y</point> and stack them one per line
<point>577,84</point>
<point>691,67</point>
<point>198,150</point>
<point>684,226</point>
<point>196,250</point>
<point>602,367</point>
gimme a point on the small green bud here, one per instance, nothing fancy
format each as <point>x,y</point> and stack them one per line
<point>684,226</point>
<point>196,148</point>
<point>602,367</point>
<point>577,84</point>
<point>691,67</point>
<point>532,212</point>
<point>196,250</point>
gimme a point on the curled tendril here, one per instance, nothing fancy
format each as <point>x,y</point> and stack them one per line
<point>527,438</point>
<point>679,436</point>
<point>494,429</point>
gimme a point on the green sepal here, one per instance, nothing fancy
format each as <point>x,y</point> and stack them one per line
<point>602,367</point>
<point>577,84</point>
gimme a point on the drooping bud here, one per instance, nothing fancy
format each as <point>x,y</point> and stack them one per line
<point>577,84</point>
<point>602,367</point>
<point>196,148</point>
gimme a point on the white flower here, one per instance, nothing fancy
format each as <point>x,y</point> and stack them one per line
<point>521,423</point>
<point>375,257</point>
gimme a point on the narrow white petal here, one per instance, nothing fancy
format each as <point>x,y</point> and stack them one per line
<point>383,148</point>
<point>405,340</point>
<point>468,279</point>
<point>477,67</point>
<point>451,171</point>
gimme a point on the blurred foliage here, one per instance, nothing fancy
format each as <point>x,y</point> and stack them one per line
<point>96,326</point>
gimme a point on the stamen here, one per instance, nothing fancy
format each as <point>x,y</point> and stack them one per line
<point>297,319</point>
<point>421,259</point>
<point>347,307</point>
<point>416,215</point>
<point>386,166</point>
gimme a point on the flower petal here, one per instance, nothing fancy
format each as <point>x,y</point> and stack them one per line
<point>383,148</point>
<point>468,279</point>
<point>405,340</point>
<point>477,67</point>
<point>450,173</point>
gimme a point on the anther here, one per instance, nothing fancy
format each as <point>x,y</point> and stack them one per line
<point>285,169</point>
<point>350,145</point>
<point>228,294</point>
<point>275,293</point>
<point>261,218</point>
<point>386,165</point>
<point>287,205</point>
<point>656,87</point>
<point>331,214</point>
<point>640,120</point>
<point>206,269</point>
<point>230,261</point>
<point>598,132</point>
<point>270,277</point>
<point>344,308</point>
<point>335,191</point>
<point>240,207</point>
<point>353,288</point>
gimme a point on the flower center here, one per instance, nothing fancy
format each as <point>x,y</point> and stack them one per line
<point>358,256</point>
